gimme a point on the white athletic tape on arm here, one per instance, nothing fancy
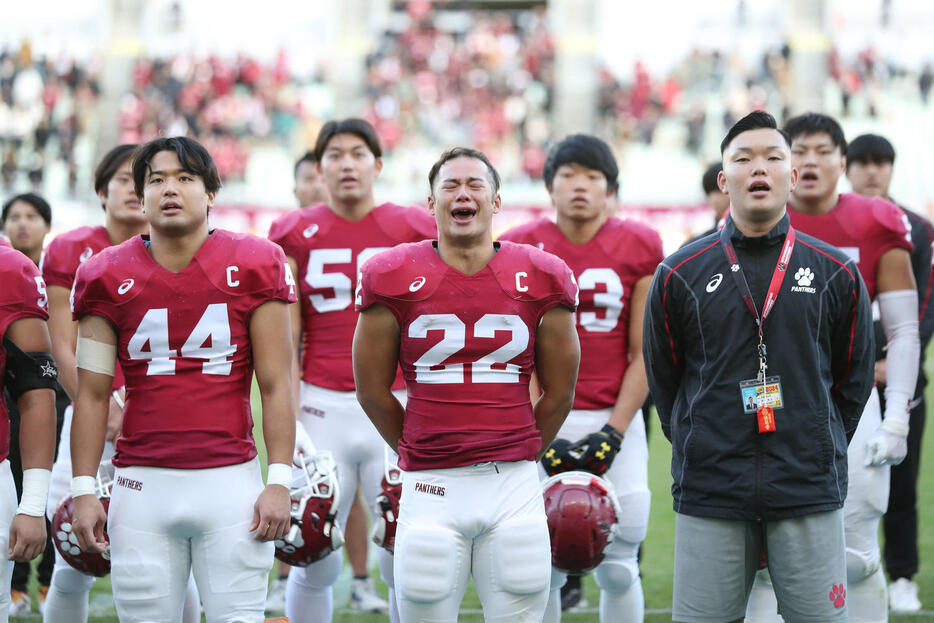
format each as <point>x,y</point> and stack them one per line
<point>83,485</point>
<point>899,312</point>
<point>279,474</point>
<point>96,356</point>
<point>35,492</point>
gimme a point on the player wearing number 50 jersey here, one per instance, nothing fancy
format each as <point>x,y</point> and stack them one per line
<point>468,319</point>
<point>190,314</point>
<point>327,245</point>
<point>614,261</point>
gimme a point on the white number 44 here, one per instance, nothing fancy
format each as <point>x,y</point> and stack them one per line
<point>151,341</point>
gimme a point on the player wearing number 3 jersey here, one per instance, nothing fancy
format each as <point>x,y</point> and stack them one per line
<point>327,245</point>
<point>614,261</point>
<point>468,320</point>
<point>189,313</point>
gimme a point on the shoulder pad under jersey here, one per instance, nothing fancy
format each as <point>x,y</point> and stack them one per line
<point>242,263</point>
<point>527,273</point>
<point>410,272</point>
<point>405,224</point>
<point>294,230</point>
<point>116,275</point>
<point>628,241</point>
<point>526,233</point>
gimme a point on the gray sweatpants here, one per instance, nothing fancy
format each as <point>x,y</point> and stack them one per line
<point>716,562</point>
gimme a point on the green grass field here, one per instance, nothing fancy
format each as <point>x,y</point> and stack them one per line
<point>658,550</point>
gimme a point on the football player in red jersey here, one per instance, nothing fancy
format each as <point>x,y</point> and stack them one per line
<point>875,233</point>
<point>468,319</point>
<point>869,162</point>
<point>28,372</point>
<point>326,245</point>
<point>67,600</point>
<point>614,261</point>
<point>190,313</point>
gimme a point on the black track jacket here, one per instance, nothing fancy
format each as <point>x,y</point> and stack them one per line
<point>700,341</point>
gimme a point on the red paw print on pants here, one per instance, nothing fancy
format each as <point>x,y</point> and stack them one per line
<point>838,595</point>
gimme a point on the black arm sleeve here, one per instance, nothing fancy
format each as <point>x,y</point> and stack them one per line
<point>27,371</point>
<point>853,353</point>
<point>661,348</point>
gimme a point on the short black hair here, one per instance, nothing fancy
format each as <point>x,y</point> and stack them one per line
<point>870,148</point>
<point>813,122</point>
<point>308,156</point>
<point>357,127</point>
<point>756,120</point>
<point>41,205</point>
<point>709,181</point>
<point>192,155</point>
<point>463,152</point>
<point>585,150</point>
<point>109,165</point>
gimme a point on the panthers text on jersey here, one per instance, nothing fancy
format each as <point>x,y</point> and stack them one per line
<point>67,251</point>
<point>467,348</point>
<point>607,268</point>
<point>863,227</point>
<point>183,343</point>
<point>330,250</point>
<point>22,296</point>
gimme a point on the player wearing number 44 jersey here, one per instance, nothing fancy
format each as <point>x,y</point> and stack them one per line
<point>327,245</point>
<point>614,261</point>
<point>190,314</point>
<point>468,320</point>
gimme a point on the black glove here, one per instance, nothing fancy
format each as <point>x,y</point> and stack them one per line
<point>597,450</point>
<point>558,458</point>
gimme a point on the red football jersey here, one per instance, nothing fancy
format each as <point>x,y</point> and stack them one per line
<point>607,268</point>
<point>61,259</point>
<point>864,227</point>
<point>329,251</point>
<point>183,342</point>
<point>467,348</point>
<point>22,296</point>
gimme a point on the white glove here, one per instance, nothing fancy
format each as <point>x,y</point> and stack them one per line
<point>303,444</point>
<point>889,445</point>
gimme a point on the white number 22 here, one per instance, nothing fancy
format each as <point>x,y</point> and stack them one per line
<point>454,339</point>
<point>153,331</point>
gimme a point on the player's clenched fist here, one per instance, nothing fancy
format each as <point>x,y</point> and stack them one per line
<point>89,522</point>
<point>558,458</point>
<point>271,513</point>
<point>597,450</point>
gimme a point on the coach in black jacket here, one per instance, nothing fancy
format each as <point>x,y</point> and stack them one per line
<point>758,433</point>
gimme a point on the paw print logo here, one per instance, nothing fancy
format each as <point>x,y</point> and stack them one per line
<point>838,595</point>
<point>67,541</point>
<point>804,277</point>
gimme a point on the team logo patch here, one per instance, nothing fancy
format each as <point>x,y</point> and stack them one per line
<point>734,267</point>
<point>838,595</point>
<point>423,487</point>
<point>85,255</point>
<point>125,286</point>
<point>311,230</point>
<point>714,282</point>
<point>804,277</point>
<point>49,370</point>
<point>129,483</point>
<point>416,285</point>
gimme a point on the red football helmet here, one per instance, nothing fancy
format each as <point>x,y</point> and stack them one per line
<point>64,538</point>
<point>387,504</point>
<point>582,512</point>
<point>314,532</point>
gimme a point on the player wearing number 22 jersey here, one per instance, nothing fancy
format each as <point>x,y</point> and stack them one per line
<point>468,320</point>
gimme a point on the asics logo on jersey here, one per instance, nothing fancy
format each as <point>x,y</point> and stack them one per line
<point>714,282</point>
<point>804,277</point>
<point>85,255</point>
<point>125,286</point>
<point>310,231</point>
<point>416,285</point>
